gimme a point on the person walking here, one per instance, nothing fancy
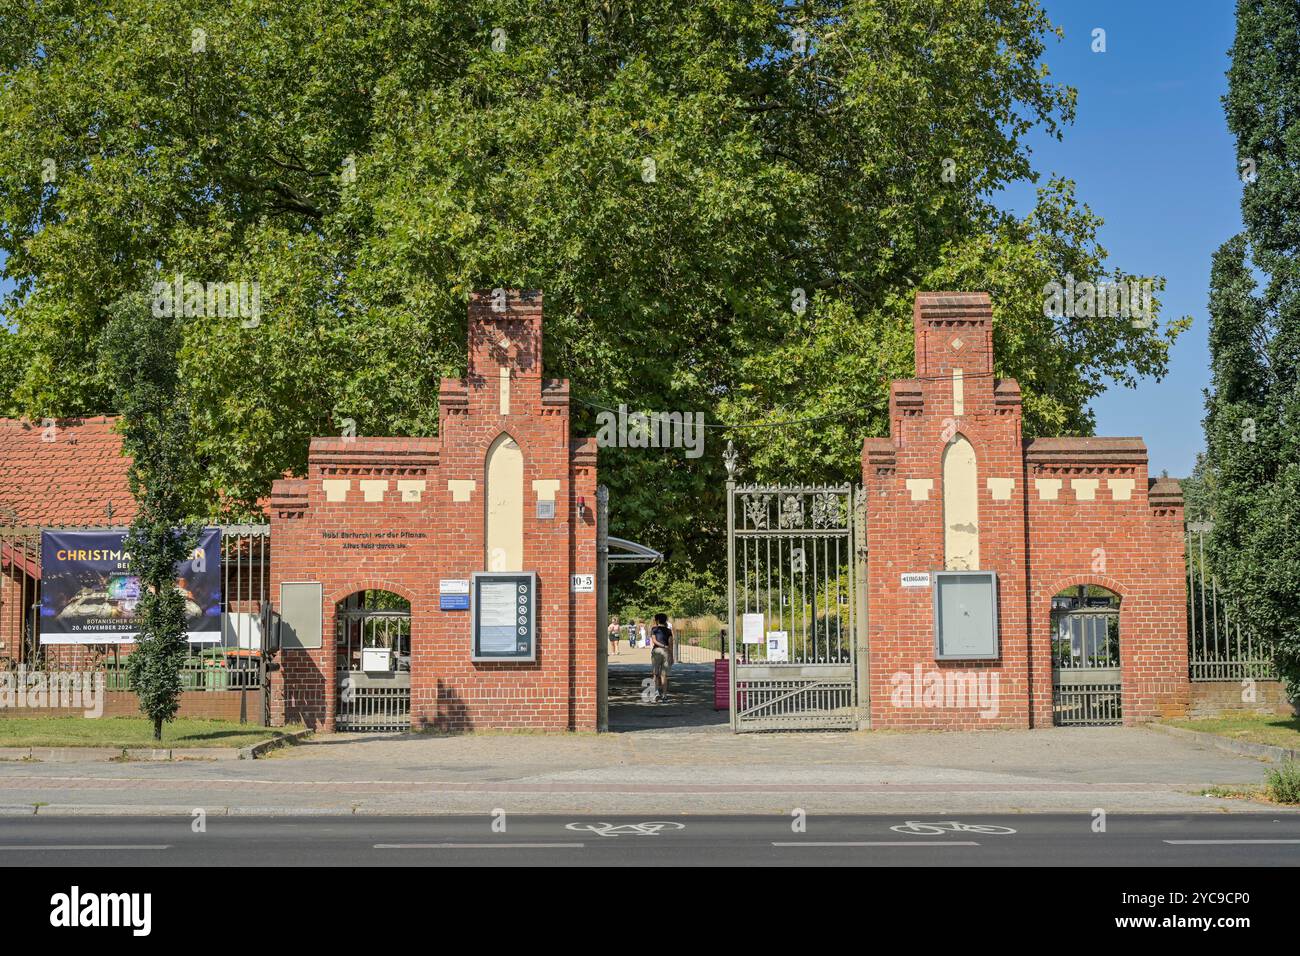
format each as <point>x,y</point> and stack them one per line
<point>613,636</point>
<point>631,635</point>
<point>642,639</point>
<point>661,654</point>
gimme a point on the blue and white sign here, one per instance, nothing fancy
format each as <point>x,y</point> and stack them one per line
<point>453,594</point>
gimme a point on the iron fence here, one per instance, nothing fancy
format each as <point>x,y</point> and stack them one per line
<point>374,703</point>
<point>233,662</point>
<point>1218,648</point>
<point>697,645</point>
<point>206,672</point>
<point>20,561</point>
<point>1086,704</point>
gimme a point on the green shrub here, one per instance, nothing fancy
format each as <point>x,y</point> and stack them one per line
<point>1283,783</point>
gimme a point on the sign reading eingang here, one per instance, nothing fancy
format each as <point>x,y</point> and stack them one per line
<point>89,595</point>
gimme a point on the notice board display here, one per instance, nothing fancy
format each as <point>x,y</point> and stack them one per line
<point>503,606</point>
<point>301,614</point>
<point>89,595</point>
<point>965,615</point>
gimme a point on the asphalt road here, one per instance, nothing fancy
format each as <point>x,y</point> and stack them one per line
<point>1254,839</point>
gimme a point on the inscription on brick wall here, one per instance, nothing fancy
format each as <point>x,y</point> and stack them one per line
<point>374,540</point>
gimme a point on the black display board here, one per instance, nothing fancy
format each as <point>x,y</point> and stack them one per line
<point>503,606</point>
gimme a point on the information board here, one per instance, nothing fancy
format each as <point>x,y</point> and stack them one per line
<point>503,606</point>
<point>965,615</point>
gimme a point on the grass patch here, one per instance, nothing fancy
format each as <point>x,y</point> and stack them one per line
<point>130,732</point>
<point>1252,728</point>
<point>1234,793</point>
<point>1283,783</point>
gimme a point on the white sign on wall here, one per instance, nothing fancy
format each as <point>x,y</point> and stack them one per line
<point>778,646</point>
<point>916,579</point>
<point>453,594</point>
<point>582,583</point>
<point>751,629</point>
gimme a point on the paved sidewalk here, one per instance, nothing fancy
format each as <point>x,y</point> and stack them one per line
<point>646,767</point>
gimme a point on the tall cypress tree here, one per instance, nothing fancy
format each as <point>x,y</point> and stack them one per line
<point>1253,407</point>
<point>141,349</point>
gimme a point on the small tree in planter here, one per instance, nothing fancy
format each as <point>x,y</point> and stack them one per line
<point>141,351</point>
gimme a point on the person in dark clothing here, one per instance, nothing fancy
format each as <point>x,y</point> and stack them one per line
<point>661,653</point>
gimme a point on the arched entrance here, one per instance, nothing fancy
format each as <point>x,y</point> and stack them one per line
<point>1086,683</point>
<point>373,662</point>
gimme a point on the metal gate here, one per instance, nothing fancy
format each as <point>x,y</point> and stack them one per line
<point>791,606</point>
<point>1086,683</point>
<point>373,669</point>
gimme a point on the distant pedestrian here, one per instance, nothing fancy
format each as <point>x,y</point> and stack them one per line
<point>641,634</point>
<point>661,654</point>
<point>631,634</point>
<point>613,636</point>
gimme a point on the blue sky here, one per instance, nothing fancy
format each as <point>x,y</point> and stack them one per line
<point>1151,154</point>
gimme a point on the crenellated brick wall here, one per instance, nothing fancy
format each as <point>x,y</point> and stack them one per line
<point>426,498</point>
<point>1051,513</point>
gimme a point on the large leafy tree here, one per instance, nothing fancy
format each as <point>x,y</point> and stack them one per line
<point>1253,407</point>
<point>670,172</point>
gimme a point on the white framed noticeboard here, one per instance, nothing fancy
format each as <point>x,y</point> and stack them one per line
<point>503,607</point>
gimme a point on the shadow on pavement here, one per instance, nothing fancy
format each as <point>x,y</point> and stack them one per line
<point>690,699</point>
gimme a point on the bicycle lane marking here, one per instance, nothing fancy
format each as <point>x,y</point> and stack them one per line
<point>916,827</point>
<point>921,828</point>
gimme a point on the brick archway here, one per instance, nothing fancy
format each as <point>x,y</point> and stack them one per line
<point>407,516</point>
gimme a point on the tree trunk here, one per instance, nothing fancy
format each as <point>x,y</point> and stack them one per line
<point>157,728</point>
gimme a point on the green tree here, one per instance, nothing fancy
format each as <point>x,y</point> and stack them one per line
<point>1197,491</point>
<point>1252,421</point>
<point>11,365</point>
<point>140,348</point>
<point>670,172</point>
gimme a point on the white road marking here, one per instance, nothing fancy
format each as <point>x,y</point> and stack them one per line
<point>876,843</point>
<point>478,846</point>
<point>1223,842</point>
<point>89,846</point>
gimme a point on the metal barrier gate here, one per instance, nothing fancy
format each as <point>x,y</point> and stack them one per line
<point>1087,689</point>
<point>374,669</point>
<point>791,606</point>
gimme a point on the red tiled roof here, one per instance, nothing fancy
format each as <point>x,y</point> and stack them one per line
<point>67,481</point>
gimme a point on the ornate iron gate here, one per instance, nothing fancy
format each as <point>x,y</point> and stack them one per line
<point>791,560</point>
<point>374,669</point>
<point>1086,685</point>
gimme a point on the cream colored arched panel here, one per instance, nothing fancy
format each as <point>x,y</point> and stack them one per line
<point>504,534</point>
<point>961,519</point>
